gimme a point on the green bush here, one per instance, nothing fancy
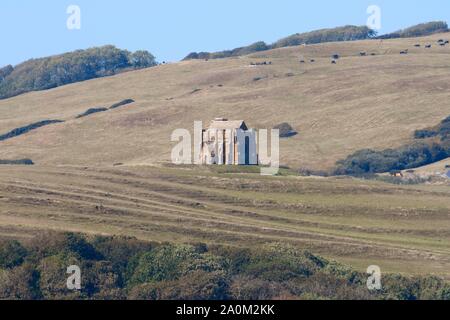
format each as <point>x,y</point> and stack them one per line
<point>410,156</point>
<point>424,134</point>
<point>198,285</point>
<point>12,254</point>
<point>279,262</point>
<point>20,283</point>
<point>406,157</point>
<point>286,130</point>
<point>170,262</point>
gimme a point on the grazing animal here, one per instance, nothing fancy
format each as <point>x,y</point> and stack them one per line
<point>312,60</point>
<point>417,45</point>
<point>362,54</point>
<point>397,174</point>
<point>442,44</point>
<point>373,54</point>
<point>440,40</point>
<point>335,56</point>
<point>333,61</point>
<point>260,63</point>
<point>404,51</point>
<point>302,61</point>
<point>428,46</point>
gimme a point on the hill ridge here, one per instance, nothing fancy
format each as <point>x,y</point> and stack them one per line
<point>343,33</point>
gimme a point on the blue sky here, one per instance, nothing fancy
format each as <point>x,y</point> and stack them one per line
<point>170,29</point>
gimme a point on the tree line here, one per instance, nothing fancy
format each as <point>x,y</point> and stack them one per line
<point>346,33</point>
<point>80,65</point>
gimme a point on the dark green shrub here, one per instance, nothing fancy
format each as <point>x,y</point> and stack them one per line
<point>20,283</point>
<point>198,285</point>
<point>22,130</point>
<point>286,130</point>
<point>406,157</point>
<point>424,134</point>
<point>25,162</point>
<point>12,254</point>
<point>91,111</point>
<point>121,103</point>
<point>170,262</point>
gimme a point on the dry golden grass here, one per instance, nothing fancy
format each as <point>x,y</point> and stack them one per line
<point>362,102</point>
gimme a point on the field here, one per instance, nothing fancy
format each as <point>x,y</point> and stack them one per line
<point>361,102</point>
<point>403,229</point>
<point>108,173</point>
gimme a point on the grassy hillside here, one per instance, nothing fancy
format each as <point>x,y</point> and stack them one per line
<point>106,172</point>
<point>362,102</point>
<point>80,65</point>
